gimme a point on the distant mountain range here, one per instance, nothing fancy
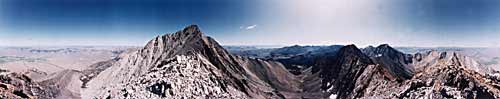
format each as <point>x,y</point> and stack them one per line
<point>189,64</point>
<point>489,57</point>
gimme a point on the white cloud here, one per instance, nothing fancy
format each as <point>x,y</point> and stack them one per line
<point>248,27</point>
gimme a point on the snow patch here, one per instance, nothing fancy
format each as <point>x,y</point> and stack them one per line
<point>332,96</point>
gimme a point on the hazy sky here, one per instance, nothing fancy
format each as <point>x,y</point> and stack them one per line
<point>253,22</point>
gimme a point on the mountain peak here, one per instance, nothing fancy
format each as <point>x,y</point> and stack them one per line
<point>385,49</point>
<point>384,46</point>
<point>370,46</point>
<point>350,46</point>
<point>351,49</point>
<point>339,72</point>
<point>348,52</point>
<point>185,41</point>
<point>191,29</point>
<point>394,61</point>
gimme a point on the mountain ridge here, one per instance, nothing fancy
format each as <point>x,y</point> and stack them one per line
<point>227,72</point>
<point>189,64</point>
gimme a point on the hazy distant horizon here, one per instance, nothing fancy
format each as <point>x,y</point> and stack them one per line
<point>427,23</point>
<point>258,46</point>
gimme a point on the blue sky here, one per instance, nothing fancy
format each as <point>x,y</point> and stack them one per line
<point>252,22</point>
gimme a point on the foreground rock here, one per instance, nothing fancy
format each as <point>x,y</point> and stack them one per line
<point>17,86</point>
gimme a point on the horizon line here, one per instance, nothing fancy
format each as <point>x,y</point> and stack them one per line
<point>256,45</point>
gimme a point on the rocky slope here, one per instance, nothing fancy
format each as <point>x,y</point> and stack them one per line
<point>17,86</point>
<point>66,84</point>
<point>93,70</point>
<point>441,77</point>
<point>188,64</point>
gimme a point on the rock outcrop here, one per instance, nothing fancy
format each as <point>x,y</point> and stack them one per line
<point>18,86</point>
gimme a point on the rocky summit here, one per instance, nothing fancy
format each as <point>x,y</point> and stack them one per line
<point>189,64</point>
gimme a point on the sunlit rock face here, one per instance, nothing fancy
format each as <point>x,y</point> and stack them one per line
<point>189,64</point>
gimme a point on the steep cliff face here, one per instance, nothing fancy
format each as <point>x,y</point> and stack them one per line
<point>396,63</point>
<point>203,64</point>
<point>339,72</point>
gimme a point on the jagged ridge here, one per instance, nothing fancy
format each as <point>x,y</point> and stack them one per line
<point>232,74</point>
<point>396,63</point>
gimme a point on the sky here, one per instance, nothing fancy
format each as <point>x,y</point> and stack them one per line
<point>424,23</point>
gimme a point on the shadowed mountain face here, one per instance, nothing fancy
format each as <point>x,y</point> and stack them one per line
<point>397,63</point>
<point>339,72</point>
